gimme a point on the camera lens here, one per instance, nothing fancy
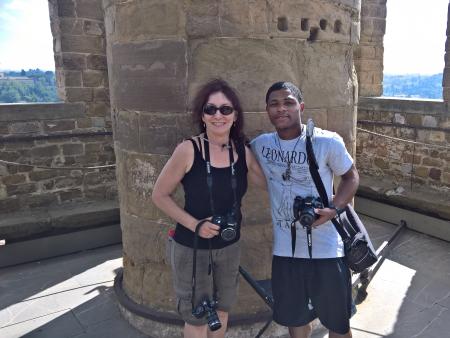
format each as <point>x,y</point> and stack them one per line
<point>307,218</point>
<point>213,321</point>
<point>228,234</point>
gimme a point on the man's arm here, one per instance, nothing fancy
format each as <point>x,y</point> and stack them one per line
<point>344,194</point>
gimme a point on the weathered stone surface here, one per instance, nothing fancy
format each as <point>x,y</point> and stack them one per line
<point>150,76</point>
<point>93,78</point>
<point>66,8</point>
<point>91,9</point>
<point>73,61</point>
<point>52,126</point>
<point>93,28</point>
<point>82,44</point>
<point>79,94</point>
<point>154,18</point>
<point>307,65</point>
<point>157,134</point>
<point>97,62</point>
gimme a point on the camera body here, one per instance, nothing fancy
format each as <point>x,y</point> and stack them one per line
<point>229,225</point>
<point>208,308</point>
<point>304,209</point>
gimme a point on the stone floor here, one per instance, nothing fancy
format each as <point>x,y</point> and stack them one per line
<point>72,296</point>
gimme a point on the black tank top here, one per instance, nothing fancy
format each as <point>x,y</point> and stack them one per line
<point>196,195</point>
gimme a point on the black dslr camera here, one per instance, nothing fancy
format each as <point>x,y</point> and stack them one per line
<point>208,308</point>
<point>304,209</point>
<point>229,225</point>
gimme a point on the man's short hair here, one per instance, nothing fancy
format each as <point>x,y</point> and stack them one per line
<point>285,85</point>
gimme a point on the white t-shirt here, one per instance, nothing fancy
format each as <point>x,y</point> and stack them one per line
<point>332,157</point>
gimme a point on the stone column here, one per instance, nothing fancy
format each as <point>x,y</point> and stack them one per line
<point>446,75</point>
<point>159,52</point>
<point>369,54</point>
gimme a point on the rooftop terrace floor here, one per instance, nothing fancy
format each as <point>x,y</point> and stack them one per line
<point>73,296</point>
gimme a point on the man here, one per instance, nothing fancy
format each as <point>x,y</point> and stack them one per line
<point>305,287</point>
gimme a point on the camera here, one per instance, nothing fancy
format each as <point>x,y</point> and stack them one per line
<point>208,308</point>
<point>229,224</point>
<point>304,209</point>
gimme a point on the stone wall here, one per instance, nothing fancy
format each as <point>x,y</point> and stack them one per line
<point>369,54</point>
<point>425,122</point>
<point>80,56</point>
<point>52,135</point>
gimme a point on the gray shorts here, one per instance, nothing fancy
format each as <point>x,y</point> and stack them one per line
<point>226,273</point>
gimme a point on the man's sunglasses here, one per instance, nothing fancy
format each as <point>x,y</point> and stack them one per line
<point>211,109</point>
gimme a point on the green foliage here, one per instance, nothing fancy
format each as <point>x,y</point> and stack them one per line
<point>41,89</point>
<point>413,86</point>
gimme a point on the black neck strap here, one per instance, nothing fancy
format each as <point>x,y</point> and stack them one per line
<point>194,265</point>
<point>209,179</point>
<point>314,170</point>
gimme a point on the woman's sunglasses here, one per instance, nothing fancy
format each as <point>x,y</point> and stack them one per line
<point>211,109</point>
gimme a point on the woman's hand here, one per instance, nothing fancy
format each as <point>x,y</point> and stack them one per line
<point>208,230</point>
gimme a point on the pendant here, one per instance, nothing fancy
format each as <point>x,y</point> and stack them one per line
<point>286,176</point>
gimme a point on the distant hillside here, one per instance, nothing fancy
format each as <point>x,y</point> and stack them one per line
<point>413,86</point>
<point>33,85</point>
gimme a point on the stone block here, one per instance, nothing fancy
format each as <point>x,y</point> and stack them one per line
<point>66,8</point>
<point>10,204</point>
<point>435,174</point>
<point>143,239</point>
<point>71,78</point>
<point>158,133</point>
<point>373,11</point>
<point>40,175</point>
<point>79,94</point>
<point>373,26</point>
<point>437,136</point>
<point>93,28</point>
<point>45,151</point>
<point>429,121</point>
<point>25,128</point>
<point>70,195</point>
<point>96,62</point>
<point>59,125</point>
<point>70,26</point>
<point>127,124</point>
<point>93,78</point>
<point>38,200</point>
<point>21,189</point>
<point>82,44</point>
<point>91,9</point>
<point>101,94</point>
<point>83,123</point>
<point>432,162</point>
<point>150,76</point>
<point>99,109</point>
<point>230,18</point>
<point>73,61</point>
<point>72,149</point>
<point>151,19</point>
<point>381,163</point>
<point>67,182</point>
<point>256,69</point>
<point>14,179</point>
<point>421,171</point>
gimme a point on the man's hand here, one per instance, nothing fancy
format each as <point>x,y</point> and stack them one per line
<point>325,214</point>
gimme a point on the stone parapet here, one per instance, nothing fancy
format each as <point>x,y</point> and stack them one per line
<point>422,160</point>
<point>53,135</point>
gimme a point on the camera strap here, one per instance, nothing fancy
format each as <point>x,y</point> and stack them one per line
<point>314,170</point>
<point>194,264</point>
<point>209,179</point>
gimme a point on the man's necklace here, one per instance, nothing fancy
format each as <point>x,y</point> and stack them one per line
<point>286,176</point>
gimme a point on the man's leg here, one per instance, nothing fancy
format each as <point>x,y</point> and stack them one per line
<point>337,335</point>
<point>301,331</point>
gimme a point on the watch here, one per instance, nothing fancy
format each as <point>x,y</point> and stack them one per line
<point>338,210</point>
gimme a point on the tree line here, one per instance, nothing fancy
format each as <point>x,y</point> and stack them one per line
<point>42,88</point>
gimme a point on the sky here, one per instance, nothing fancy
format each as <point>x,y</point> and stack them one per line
<point>414,41</point>
<point>25,37</point>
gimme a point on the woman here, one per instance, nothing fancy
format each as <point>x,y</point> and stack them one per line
<point>219,147</point>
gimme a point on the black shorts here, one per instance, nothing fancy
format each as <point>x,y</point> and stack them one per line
<point>304,289</point>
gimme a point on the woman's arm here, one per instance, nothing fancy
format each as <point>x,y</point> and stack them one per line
<point>255,172</point>
<point>171,175</point>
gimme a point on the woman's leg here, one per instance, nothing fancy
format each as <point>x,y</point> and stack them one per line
<point>223,317</point>
<point>192,331</point>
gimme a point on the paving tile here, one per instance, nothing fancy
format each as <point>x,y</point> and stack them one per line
<point>61,324</point>
<point>115,327</point>
<point>101,308</point>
